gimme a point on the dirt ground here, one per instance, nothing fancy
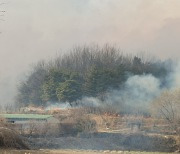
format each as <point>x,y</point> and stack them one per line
<point>75,152</point>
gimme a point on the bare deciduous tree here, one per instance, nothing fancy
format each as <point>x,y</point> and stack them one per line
<point>167,106</point>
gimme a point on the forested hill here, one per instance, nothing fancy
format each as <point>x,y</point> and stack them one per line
<point>85,71</point>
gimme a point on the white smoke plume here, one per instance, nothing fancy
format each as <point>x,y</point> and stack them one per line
<point>90,101</point>
<point>137,93</point>
<point>135,96</point>
<point>57,105</point>
<point>174,77</point>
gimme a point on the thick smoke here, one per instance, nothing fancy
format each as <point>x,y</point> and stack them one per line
<point>138,91</point>
<point>174,77</point>
<point>135,95</point>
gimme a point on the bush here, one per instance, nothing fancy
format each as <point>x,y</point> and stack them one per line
<point>76,122</point>
<point>86,125</point>
<point>10,139</point>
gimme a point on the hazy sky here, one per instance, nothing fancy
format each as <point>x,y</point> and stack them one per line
<point>38,29</point>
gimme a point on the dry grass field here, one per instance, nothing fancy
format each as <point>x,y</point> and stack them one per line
<point>93,133</point>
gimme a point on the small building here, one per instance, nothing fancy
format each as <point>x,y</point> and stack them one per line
<point>24,122</point>
<point>23,118</point>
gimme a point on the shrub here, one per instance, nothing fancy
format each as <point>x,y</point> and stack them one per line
<point>76,122</point>
<point>10,139</point>
<point>86,124</point>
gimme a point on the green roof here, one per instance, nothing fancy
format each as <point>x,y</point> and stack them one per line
<point>25,116</point>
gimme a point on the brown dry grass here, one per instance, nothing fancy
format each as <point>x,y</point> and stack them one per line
<point>111,121</point>
<point>76,122</point>
<point>10,139</point>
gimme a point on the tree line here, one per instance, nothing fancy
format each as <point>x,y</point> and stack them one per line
<point>85,71</point>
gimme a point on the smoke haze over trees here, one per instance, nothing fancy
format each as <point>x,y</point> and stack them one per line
<point>103,73</point>
<point>33,31</point>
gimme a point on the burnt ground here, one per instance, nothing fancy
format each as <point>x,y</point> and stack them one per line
<point>106,141</point>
